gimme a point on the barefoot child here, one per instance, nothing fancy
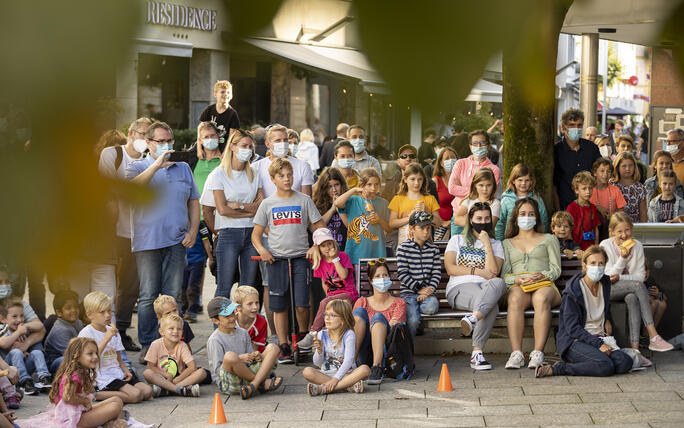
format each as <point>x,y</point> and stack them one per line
<point>413,196</point>
<point>248,316</point>
<point>561,226</point>
<point>113,377</point>
<point>235,366</point>
<point>73,392</point>
<point>584,213</point>
<point>171,367</point>
<point>334,354</point>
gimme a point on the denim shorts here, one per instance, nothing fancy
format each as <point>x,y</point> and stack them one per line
<point>279,283</point>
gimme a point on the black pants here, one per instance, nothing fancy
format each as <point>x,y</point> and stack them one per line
<point>127,284</point>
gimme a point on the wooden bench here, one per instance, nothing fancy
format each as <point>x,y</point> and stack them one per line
<point>569,267</point>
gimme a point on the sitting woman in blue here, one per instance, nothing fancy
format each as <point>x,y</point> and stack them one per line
<point>584,339</point>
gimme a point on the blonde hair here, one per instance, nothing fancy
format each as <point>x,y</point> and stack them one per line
<point>562,216</point>
<point>599,139</point>
<point>169,318</point>
<point>96,301</point>
<point>137,123</point>
<point>275,128</point>
<point>366,174</point>
<point>520,170</point>
<point>243,291</point>
<point>594,249</point>
<point>482,174</point>
<point>344,310</point>
<point>222,84</point>
<point>627,138</point>
<point>162,300</point>
<point>616,166</point>
<point>583,177</point>
<point>207,125</point>
<point>306,135</point>
<point>657,155</point>
<point>278,165</point>
<point>227,157</point>
<point>619,217</point>
<point>112,137</point>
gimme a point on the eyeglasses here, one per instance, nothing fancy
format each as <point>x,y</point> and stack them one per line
<point>479,143</point>
<point>163,141</point>
<point>674,141</point>
<point>407,156</point>
<point>329,316</point>
<point>381,260</point>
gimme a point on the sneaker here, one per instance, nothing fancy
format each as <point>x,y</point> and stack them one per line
<point>285,356</point>
<point>478,362</point>
<point>13,402</point>
<point>190,317</point>
<point>375,377</point>
<point>644,362</point>
<point>190,391</point>
<point>543,370</point>
<point>357,388</point>
<point>44,383</point>
<point>128,343</point>
<point>27,386</point>
<point>516,360</point>
<point>658,344</point>
<point>156,391</point>
<point>467,325</point>
<point>143,353</point>
<point>536,359</point>
<point>314,390</point>
<point>306,342</point>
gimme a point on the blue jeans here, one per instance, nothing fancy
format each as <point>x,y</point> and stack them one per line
<point>193,280</point>
<point>365,350</point>
<point>160,272</point>
<point>55,365</point>
<point>414,310</point>
<point>582,359</point>
<point>235,249</point>
<point>34,362</point>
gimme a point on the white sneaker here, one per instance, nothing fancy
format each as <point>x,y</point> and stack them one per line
<point>306,342</point>
<point>467,326</point>
<point>536,359</point>
<point>478,362</point>
<point>516,360</point>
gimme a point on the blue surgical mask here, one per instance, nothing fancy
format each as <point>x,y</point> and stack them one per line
<point>243,155</point>
<point>345,163</point>
<point>280,150</point>
<point>382,284</point>
<point>595,273</point>
<point>449,164</point>
<point>210,143</point>
<point>294,148</point>
<point>5,290</point>
<point>479,152</point>
<point>527,223</point>
<point>358,144</point>
<point>574,134</point>
<point>161,148</point>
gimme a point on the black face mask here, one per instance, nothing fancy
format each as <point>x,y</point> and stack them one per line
<point>479,227</point>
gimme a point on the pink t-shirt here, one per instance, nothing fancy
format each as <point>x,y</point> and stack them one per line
<point>63,383</point>
<point>326,271</point>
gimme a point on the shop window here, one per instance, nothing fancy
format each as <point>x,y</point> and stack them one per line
<point>163,89</point>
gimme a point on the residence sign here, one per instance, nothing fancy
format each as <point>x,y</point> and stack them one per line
<point>174,15</point>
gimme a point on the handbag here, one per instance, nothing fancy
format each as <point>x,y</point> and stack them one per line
<point>532,286</point>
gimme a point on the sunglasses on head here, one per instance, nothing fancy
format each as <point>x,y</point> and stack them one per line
<point>273,125</point>
<point>381,260</point>
<point>424,216</point>
<point>407,156</point>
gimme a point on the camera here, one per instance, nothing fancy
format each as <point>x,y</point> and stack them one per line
<point>588,236</point>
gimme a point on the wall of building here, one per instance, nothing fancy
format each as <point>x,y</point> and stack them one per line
<point>666,83</point>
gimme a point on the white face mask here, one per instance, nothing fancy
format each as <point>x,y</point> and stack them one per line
<point>605,151</point>
<point>358,144</point>
<point>672,149</point>
<point>140,145</point>
<point>294,148</point>
<point>210,143</point>
<point>527,223</point>
<point>5,290</point>
<point>449,164</point>
<point>280,150</point>
<point>243,155</point>
<point>595,273</point>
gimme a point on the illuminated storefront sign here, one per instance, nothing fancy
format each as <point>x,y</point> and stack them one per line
<point>175,15</point>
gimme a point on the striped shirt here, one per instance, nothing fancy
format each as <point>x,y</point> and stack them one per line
<point>418,267</point>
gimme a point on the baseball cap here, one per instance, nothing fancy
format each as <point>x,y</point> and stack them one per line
<point>407,147</point>
<point>420,218</point>
<point>215,306</point>
<point>321,235</point>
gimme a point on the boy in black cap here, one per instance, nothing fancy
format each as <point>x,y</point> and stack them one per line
<point>234,365</point>
<point>419,269</point>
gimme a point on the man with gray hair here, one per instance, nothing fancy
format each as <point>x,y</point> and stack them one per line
<point>163,228</point>
<point>590,133</point>
<point>328,150</point>
<point>675,146</point>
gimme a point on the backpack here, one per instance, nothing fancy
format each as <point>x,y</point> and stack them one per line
<point>119,157</point>
<point>399,363</point>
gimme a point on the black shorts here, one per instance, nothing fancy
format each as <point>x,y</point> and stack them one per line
<point>117,384</point>
<point>207,379</point>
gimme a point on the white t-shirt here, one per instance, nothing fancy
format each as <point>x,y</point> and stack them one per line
<point>308,152</point>
<point>108,369</point>
<point>106,168</point>
<point>595,311</point>
<point>302,175</point>
<point>495,206</point>
<point>471,257</point>
<point>238,188</point>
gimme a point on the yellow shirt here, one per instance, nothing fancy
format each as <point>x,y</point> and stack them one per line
<point>353,181</point>
<point>402,205</point>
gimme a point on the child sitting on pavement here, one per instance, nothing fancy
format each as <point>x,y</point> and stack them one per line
<point>235,366</point>
<point>171,367</point>
<point>165,305</point>
<point>248,316</point>
<point>66,327</point>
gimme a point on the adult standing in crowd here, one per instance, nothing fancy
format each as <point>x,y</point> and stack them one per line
<point>674,144</point>
<point>307,150</point>
<point>362,160</point>
<point>235,190</point>
<point>445,163</point>
<point>590,133</point>
<point>572,154</point>
<point>426,151</point>
<point>221,113</point>
<point>381,150</point>
<point>259,134</point>
<point>531,256</point>
<point>114,162</point>
<point>327,154</point>
<point>615,133</point>
<point>406,155</point>
<point>162,230</point>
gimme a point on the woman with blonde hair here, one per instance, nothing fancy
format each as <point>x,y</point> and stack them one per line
<point>307,150</point>
<point>235,190</point>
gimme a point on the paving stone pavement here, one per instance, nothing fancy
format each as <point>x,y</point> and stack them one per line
<point>499,397</point>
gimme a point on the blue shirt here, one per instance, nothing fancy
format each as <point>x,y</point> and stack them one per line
<point>164,221</point>
<point>364,240</point>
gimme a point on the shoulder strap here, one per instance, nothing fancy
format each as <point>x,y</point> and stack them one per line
<point>119,157</point>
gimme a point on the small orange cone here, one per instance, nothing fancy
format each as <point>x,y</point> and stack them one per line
<point>444,384</point>
<point>218,416</point>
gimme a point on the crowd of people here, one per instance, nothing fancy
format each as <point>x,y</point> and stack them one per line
<point>279,223</point>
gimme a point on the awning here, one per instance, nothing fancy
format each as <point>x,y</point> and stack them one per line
<point>352,63</point>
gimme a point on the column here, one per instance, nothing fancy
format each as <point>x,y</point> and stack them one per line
<point>206,67</point>
<point>127,88</point>
<point>416,127</point>
<point>588,77</point>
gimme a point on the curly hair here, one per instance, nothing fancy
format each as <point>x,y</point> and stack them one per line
<point>320,197</point>
<point>71,364</point>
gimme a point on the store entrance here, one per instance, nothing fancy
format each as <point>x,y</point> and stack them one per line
<point>163,93</point>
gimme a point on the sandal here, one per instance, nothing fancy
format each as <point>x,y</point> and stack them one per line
<point>247,391</point>
<point>273,385</point>
<point>313,390</point>
<point>545,369</point>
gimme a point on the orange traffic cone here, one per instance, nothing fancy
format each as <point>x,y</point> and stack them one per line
<point>218,416</point>
<point>444,384</point>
